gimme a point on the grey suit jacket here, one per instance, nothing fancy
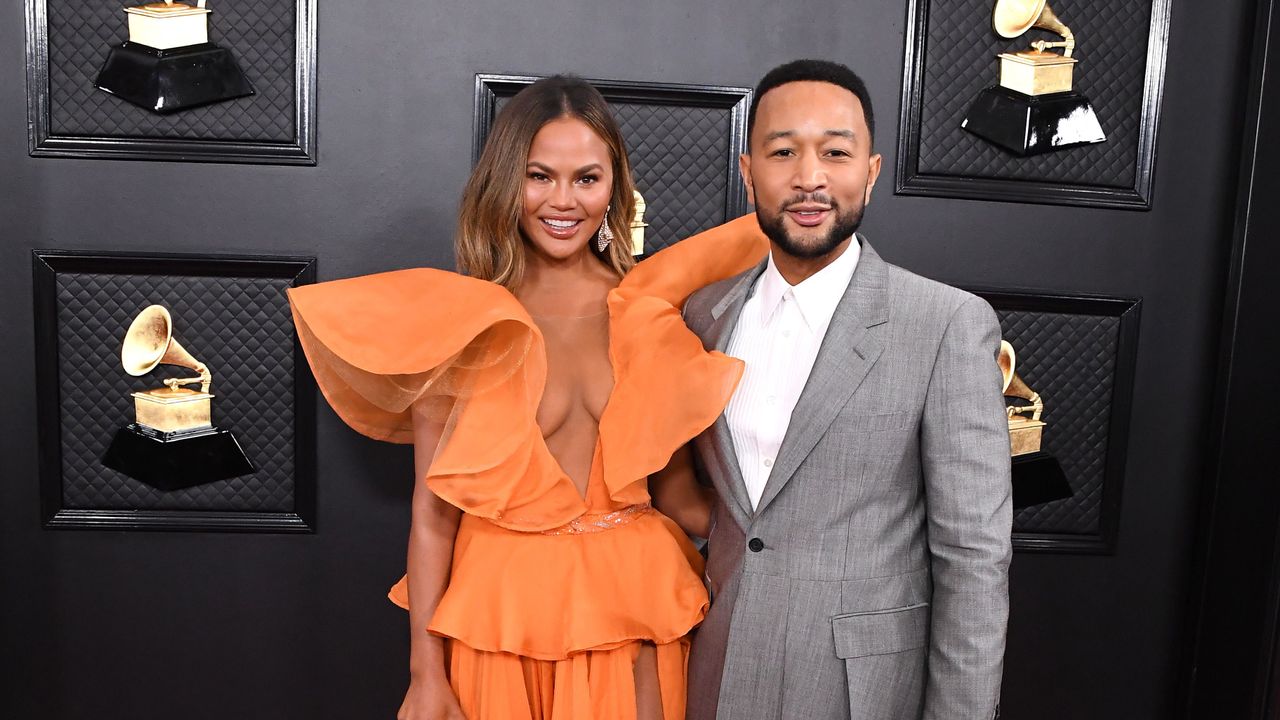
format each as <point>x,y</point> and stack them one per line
<point>871,582</point>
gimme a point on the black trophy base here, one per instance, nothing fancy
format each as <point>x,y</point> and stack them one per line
<point>1033,124</point>
<point>172,461</point>
<point>1038,478</point>
<point>166,81</point>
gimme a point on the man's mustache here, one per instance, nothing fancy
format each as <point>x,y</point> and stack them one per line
<point>817,198</point>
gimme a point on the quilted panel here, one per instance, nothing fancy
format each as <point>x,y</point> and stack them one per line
<point>239,327</point>
<point>960,60</point>
<point>1070,360</point>
<point>259,33</point>
<point>680,159</point>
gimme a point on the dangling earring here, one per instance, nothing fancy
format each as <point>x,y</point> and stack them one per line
<point>604,235</point>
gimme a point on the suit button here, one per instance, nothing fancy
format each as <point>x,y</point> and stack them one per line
<point>756,544</point>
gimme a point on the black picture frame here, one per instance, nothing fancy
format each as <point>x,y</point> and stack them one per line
<point>47,267</point>
<point>1118,408</point>
<point>489,87</point>
<point>963,183</point>
<point>44,142</point>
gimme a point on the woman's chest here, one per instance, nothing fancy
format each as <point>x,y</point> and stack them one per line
<point>579,373</point>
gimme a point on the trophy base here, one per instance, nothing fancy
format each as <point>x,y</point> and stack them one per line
<point>1025,435</point>
<point>1038,478</point>
<point>179,459</point>
<point>165,410</point>
<point>1033,124</point>
<point>166,81</point>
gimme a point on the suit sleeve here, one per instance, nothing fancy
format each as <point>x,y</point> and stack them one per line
<point>965,463</point>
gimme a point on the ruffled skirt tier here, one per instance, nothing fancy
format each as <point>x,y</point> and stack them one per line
<point>548,625</point>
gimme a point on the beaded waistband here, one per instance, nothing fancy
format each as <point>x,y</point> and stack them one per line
<point>599,522</point>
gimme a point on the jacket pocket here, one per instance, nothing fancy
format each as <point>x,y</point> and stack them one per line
<point>881,632</point>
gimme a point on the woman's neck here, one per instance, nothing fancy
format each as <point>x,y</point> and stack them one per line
<point>570,287</point>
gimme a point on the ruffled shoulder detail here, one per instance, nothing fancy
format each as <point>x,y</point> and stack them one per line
<point>676,272</point>
<point>469,352</point>
<point>377,344</point>
<point>669,388</point>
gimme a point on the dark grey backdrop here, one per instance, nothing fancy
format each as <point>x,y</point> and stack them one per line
<point>148,625</point>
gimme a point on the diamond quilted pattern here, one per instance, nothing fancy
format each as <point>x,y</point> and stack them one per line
<point>260,33</point>
<point>239,327</point>
<point>680,158</point>
<point>960,60</point>
<point>1070,360</point>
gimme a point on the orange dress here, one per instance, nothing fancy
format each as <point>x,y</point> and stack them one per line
<point>550,592</point>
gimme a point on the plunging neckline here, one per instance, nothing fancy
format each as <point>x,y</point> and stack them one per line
<point>598,448</point>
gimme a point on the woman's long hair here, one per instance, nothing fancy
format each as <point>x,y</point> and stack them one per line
<point>489,244</point>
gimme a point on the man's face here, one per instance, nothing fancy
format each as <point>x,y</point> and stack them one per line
<point>811,169</point>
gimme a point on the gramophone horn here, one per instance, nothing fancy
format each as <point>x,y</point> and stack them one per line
<point>1014,17</point>
<point>1006,360</point>
<point>149,342</point>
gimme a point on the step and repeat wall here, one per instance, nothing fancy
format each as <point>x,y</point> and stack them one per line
<point>297,143</point>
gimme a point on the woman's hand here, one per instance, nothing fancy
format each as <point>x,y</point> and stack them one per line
<point>430,700</point>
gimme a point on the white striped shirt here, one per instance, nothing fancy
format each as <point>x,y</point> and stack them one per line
<point>778,335</point>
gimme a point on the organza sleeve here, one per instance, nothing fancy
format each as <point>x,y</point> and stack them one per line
<point>466,349</point>
<point>676,272</point>
<point>670,388</point>
<point>377,344</point>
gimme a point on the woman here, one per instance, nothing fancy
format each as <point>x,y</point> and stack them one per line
<point>541,392</point>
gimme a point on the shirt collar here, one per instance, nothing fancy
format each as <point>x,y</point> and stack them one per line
<point>817,295</point>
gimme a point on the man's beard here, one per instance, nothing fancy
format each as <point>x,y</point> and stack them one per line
<point>845,225</point>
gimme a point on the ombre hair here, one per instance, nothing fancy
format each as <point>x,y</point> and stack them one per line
<point>489,244</point>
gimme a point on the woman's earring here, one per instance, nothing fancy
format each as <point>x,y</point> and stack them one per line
<point>604,235</point>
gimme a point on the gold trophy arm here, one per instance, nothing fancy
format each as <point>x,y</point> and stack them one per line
<point>1035,408</point>
<point>205,379</point>
<point>1017,388</point>
<point>1049,21</point>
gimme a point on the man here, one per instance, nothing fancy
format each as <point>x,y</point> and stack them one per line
<point>858,561</point>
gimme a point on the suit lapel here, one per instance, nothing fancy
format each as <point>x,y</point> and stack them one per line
<point>851,346</point>
<point>724,319</point>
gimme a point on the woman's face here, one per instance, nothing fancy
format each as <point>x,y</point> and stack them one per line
<point>568,182</point>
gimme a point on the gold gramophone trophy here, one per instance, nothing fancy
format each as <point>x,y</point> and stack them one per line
<point>1034,109</point>
<point>1026,429</point>
<point>638,225</point>
<point>172,442</point>
<point>168,63</point>
<point>1037,475</point>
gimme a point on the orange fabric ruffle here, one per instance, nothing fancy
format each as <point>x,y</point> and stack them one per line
<point>550,596</point>
<point>539,598</point>
<point>661,366</point>
<point>586,686</point>
<point>378,343</point>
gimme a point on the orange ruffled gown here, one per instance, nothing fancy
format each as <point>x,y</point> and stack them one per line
<point>551,593</point>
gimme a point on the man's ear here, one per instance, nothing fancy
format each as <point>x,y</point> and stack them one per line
<point>744,169</point>
<point>873,172</point>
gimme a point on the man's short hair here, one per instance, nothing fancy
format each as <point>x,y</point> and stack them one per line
<point>816,71</point>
